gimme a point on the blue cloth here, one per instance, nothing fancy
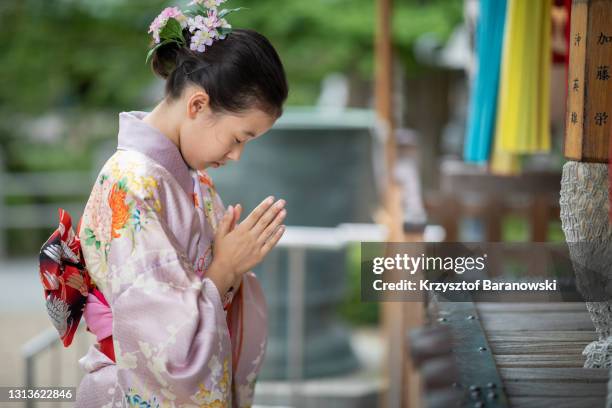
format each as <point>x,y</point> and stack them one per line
<point>483,100</point>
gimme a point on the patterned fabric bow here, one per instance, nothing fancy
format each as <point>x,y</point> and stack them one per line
<point>64,277</point>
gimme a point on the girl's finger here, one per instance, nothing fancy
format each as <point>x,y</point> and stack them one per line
<point>267,233</point>
<point>237,213</point>
<point>271,243</point>
<point>268,217</point>
<point>256,214</point>
<point>224,226</point>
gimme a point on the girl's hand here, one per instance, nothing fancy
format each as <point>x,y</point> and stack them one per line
<point>238,250</point>
<point>238,280</point>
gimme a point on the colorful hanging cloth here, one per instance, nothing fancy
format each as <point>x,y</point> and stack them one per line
<point>483,101</point>
<point>524,113</point>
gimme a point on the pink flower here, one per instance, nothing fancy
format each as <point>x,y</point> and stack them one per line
<point>160,21</point>
<point>201,39</point>
<point>196,23</point>
<point>212,21</point>
<point>209,24</point>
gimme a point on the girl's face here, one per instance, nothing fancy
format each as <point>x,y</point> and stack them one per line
<point>209,139</point>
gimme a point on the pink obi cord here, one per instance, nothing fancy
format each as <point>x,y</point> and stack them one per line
<point>98,315</point>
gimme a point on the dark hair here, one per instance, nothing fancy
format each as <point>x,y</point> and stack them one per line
<point>239,72</point>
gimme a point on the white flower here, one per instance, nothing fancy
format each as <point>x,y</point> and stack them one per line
<point>211,4</point>
<point>201,39</point>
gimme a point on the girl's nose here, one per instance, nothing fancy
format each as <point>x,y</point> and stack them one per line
<point>236,152</point>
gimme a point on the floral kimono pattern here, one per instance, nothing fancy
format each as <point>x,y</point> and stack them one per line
<point>146,237</point>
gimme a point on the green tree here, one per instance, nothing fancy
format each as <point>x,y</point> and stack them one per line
<point>90,54</point>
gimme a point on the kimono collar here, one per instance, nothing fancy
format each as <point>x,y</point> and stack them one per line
<point>134,134</point>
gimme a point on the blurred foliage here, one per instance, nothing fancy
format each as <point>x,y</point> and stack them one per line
<point>66,53</point>
<point>516,229</point>
<point>44,157</point>
<point>555,232</point>
<point>90,53</point>
<point>353,309</point>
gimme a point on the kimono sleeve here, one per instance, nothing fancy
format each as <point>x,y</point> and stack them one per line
<point>247,318</point>
<point>170,334</point>
<point>214,210</point>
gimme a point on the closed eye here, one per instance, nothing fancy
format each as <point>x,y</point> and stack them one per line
<point>237,140</point>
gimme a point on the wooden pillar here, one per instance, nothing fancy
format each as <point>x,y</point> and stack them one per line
<point>539,216</point>
<point>397,317</point>
<point>589,102</point>
<point>384,79</point>
<point>494,212</point>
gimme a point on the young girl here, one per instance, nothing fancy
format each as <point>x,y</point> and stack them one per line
<point>180,321</point>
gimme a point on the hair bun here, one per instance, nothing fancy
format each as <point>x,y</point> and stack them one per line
<point>164,59</point>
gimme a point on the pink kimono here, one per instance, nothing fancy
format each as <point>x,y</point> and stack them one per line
<point>146,237</point>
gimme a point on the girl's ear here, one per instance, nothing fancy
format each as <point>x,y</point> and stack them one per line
<point>198,102</point>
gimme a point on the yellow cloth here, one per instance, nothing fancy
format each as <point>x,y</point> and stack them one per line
<point>523,114</point>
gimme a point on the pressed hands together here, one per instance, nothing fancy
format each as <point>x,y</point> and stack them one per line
<point>238,248</point>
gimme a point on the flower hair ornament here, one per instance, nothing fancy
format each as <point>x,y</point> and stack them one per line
<point>203,20</point>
